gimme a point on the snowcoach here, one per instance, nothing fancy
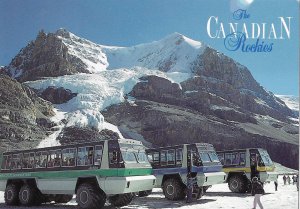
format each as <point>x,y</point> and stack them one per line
<point>241,165</point>
<point>172,164</point>
<point>112,170</point>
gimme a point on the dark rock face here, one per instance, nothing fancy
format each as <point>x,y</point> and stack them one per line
<point>45,57</point>
<point>221,75</point>
<point>79,135</point>
<point>24,117</point>
<point>162,90</point>
<point>57,95</point>
<point>164,114</point>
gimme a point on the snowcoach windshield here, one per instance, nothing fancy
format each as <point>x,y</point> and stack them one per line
<point>264,155</point>
<point>129,156</point>
<point>142,157</point>
<point>133,153</point>
<point>208,156</point>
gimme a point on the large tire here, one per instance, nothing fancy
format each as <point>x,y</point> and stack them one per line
<point>90,197</point>
<point>27,195</point>
<point>237,184</point>
<point>145,193</point>
<point>63,198</point>
<point>11,194</point>
<point>173,189</point>
<point>121,200</point>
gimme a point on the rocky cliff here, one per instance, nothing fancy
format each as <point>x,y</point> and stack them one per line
<point>24,117</point>
<point>44,57</point>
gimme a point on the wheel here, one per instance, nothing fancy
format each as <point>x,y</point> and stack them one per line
<point>145,193</point>
<point>121,200</point>
<point>63,198</point>
<point>90,197</point>
<point>237,184</point>
<point>11,194</point>
<point>173,189</point>
<point>27,195</point>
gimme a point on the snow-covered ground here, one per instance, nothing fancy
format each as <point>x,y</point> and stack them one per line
<point>217,197</point>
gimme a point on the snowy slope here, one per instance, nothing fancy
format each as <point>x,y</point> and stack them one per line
<point>90,53</point>
<point>173,53</point>
<point>291,101</point>
<point>217,197</point>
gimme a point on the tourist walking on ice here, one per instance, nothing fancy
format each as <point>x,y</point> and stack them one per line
<point>289,179</point>
<point>294,179</point>
<point>284,179</point>
<point>276,184</point>
<point>257,191</point>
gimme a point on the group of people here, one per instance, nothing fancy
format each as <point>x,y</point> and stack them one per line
<point>287,180</point>
<point>257,188</point>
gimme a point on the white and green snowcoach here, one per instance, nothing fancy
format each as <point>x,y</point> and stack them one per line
<point>112,170</point>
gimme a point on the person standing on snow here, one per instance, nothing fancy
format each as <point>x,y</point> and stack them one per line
<point>284,179</point>
<point>257,191</point>
<point>276,184</point>
<point>289,179</point>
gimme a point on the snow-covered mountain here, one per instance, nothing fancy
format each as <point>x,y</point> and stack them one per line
<point>165,92</point>
<point>173,53</point>
<point>291,101</point>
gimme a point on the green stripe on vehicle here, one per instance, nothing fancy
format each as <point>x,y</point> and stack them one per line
<point>79,173</point>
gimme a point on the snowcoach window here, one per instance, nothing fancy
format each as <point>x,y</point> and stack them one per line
<point>242,158</point>
<point>54,158</point>
<point>98,155</point>
<point>163,158</point>
<point>28,160</point>
<point>142,158</point>
<point>171,157</point>
<point>85,156</point>
<point>178,156</point>
<point>150,157</point>
<point>16,161</point>
<point>41,159</point>
<point>68,157</point>
<point>113,157</point>
<point>6,162</point>
<point>213,156</point>
<point>232,158</point>
<point>205,157</point>
<point>129,157</point>
<point>156,157</point>
<point>221,157</point>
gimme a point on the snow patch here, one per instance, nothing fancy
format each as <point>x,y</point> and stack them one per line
<point>291,101</point>
<point>51,141</point>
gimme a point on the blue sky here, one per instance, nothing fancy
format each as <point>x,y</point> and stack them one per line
<point>130,22</point>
